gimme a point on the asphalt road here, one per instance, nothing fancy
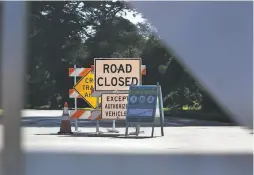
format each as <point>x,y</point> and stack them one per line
<point>52,118</point>
<point>40,131</point>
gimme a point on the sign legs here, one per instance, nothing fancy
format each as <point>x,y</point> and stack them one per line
<point>76,125</point>
<point>162,129</point>
<point>126,130</point>
<point>137,131</point>
<point>98,127</point>
<point>152,130</point>
<point>97,121</point>
<point>161,109</point>
<point>161,112</point>
<point>113,130</point>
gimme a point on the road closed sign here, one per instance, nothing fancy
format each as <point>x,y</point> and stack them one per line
<point>116,74</point>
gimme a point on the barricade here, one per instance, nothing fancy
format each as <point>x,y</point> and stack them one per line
<point>93,98</point>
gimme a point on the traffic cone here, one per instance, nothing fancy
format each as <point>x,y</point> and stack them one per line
<point>65,127</point>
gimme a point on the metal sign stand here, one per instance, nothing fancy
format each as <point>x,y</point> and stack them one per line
<point>114,130</point>
<point>159,95</point>
<point>97,121</point>
<point>98,127</point>
<point>160,110</point>
<point>75,103</point>
<point>137,131</point>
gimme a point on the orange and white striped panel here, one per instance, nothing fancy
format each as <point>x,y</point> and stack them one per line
<point>92,68</point>
<point>81,114</point>
<point>78,72</point>
<point>143,69</point>
<point>96,115</point>
<point>74,94</point>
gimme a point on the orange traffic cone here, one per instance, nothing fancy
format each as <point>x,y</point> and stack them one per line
<point>65,127</point>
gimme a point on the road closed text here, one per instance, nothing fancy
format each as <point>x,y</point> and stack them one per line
<point>114,106</point>
<point>117,74</point>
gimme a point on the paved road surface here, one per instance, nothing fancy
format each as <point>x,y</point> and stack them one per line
<point>40,128</point>
<point>53,118</point>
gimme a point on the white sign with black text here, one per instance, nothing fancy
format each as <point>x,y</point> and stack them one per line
<point>114,106</point>
<point>116,74</point>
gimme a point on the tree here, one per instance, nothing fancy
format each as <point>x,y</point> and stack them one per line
<point>118,37</point>
<point>57,39</point>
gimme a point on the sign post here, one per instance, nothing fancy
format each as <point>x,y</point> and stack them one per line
<point>160,108</point>
<point>97,121</point>
<point>141,108</point>
<point>113,130</point>
<point>75,103</point>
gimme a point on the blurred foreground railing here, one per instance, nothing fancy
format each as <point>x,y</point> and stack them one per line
<point>14,42</point>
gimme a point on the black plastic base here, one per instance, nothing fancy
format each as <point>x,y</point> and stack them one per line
<point>65,133</point>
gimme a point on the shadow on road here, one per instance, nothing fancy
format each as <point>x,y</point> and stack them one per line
<point>92,134</point>
<point>40,121</point>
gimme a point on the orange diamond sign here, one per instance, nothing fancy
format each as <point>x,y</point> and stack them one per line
<point>84,86</point>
